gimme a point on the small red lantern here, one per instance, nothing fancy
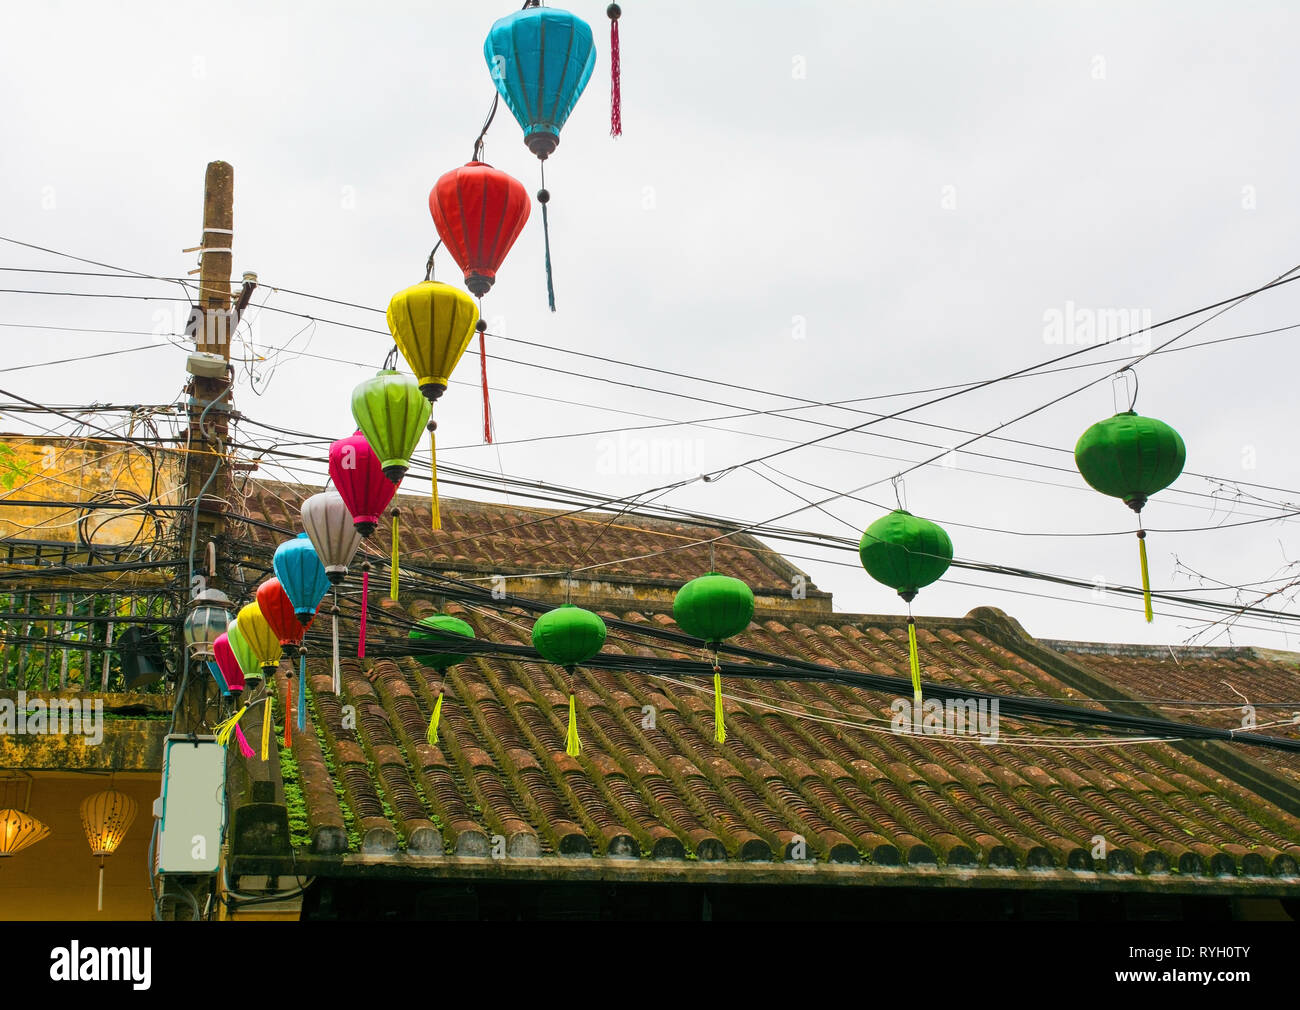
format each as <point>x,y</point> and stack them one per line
<point>278,610</point>
<point>479,212</point>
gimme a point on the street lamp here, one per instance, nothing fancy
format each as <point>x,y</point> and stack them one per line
<point>208,618</point>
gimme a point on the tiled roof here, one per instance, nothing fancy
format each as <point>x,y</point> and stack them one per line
<point>816,761</point>
<point>508,539</point>
<point>1266,680</point>
<point>810,761</point>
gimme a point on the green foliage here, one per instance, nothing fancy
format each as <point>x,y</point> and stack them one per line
<point>12,469</point>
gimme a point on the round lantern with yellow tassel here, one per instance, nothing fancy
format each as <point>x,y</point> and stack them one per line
<point>1131,457</point>
<point>906,553</point>
<point>568,636</point>
<point>432,324</point>
<point>714,607</point>
<point>439,628</point>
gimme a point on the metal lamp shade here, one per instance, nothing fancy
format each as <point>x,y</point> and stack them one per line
<point>330,529</point>
<point>208,617</point>
<point>18,830</point>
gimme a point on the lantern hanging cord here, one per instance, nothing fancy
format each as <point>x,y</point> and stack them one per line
<point>478,143</point>
<point>390,359</point>
<point>1133,372</point>
<point>428,267</point>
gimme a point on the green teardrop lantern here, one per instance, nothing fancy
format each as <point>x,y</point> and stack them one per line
<point>1131,457</point>
<point>714,607</point>
<point>437,627</point>
<point>391,412</point>
<point>567,636</point>
<point>906,553</point>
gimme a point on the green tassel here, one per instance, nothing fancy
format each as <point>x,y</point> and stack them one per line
<point>719,718</point>
<point>1146,578</point>
<point>432,735</point>
<point>572,745</point>
<point>914,659</point>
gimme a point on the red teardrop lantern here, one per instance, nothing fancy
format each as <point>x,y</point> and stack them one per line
<point>479,212</point>
<point>278,610</point>
<point>360,480</point>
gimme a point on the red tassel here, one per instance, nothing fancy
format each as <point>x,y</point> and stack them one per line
<point>365,603</point>
<point>487,409</point>
<point>615,75</point>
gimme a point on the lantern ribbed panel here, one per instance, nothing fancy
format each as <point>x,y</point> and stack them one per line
<point>277,608</point>
<point>259,635</point>
<point>106,817</point>
<point>360,481</point>
<point>713,607</point>
<point>329,527</point>
<point>540,60</point>
<point>18,830</point>
<point>223,654</point>
<point>905,552</point>
<point>479,212</point>
<point>243,651</point>
<point>391,412</point>
<point>432,324</point>
<point>568,635</point>
<point>436,628</point>
<point>1129,456</point>
<point>298,567</point>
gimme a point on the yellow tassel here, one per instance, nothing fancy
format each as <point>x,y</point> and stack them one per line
<point>266,730</point>
<point>719,719</point>
<point>432,735</point>
<point>914,660</point>
<point>572,745</point>
<point>1146,578</point>
<point>226,728</point>
<point>433,468</point>
<point>392,588</point>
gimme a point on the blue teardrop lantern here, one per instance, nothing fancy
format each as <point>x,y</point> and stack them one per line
<point>540,59</point>
<point>298,567</point>
<point>303,578</point>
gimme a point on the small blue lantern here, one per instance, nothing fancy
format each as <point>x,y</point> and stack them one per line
<point>298,567</point>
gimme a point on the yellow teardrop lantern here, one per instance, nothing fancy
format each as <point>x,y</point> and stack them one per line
<point>432,324</point>
<point>260,636</point>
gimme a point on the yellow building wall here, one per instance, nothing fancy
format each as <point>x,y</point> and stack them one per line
<point>72,470</point>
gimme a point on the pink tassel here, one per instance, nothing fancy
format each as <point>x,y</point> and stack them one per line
<point>365,602</point>
<point>245,750</point>
<point>615,74</point>
<point>487,410</point>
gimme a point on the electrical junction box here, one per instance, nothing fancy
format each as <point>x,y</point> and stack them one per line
<point>192,809</point>
<point>208,366</point>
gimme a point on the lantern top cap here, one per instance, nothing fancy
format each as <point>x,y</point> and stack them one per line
<point>211,598</point>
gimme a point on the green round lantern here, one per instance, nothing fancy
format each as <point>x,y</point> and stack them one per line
<point>392,413</point>
<point>567,636</point>
<point>438,627</point>
<point>1131,457</point>
<point>905,552</point>
<point>714,607</point>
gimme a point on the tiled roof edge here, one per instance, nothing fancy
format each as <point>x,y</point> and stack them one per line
<point>1178,652</point>
<point>1229,761</point>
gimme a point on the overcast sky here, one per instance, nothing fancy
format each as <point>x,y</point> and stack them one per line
<point>824,200</point>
